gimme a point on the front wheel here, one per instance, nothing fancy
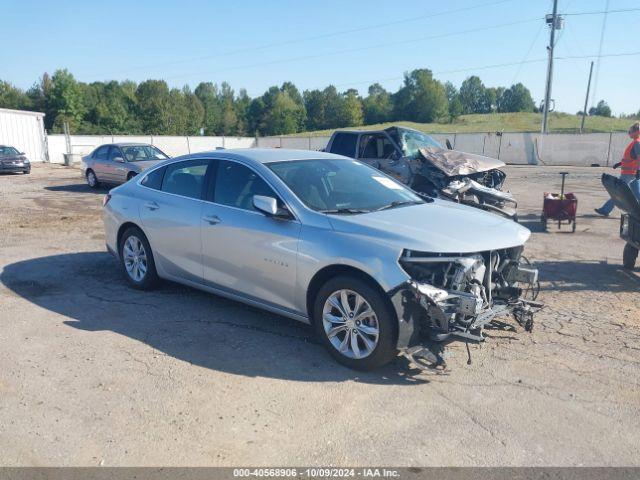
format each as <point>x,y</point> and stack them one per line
<point>136,260</point>
<point>629,256</point>
<point>92,180</point>
<point>355,324</point>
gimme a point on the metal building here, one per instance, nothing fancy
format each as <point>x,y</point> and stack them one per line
<point>24,130</point>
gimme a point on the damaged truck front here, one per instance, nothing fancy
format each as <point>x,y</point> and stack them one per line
<point>420,162</point>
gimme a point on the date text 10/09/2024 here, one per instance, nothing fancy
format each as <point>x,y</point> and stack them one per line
<point>317,472</point>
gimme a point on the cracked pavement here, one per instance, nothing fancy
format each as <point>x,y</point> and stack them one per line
<point>95,373</point>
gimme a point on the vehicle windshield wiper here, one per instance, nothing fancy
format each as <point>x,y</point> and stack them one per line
<point>344,210</point>
<point>399,203</point>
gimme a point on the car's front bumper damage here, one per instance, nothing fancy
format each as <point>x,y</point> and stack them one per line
<point>428,313</point>
<point>470,192</point>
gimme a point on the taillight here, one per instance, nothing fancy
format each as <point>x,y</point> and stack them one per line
<point>106,199</point>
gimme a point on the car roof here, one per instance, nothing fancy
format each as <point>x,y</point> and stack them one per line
<point>265,155</point>
<point>128,144</point>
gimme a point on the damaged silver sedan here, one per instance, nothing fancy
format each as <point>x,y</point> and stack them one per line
<point>420,162</point>
<point>376,268</point>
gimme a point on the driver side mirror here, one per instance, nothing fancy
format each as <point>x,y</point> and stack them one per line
<point>269,206</point>
<point>266,205</point>
<point>449,144</point>
<point>118,159</point>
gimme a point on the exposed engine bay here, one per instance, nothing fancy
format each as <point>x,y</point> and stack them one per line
<point>465,178</point>
<point>455,296</point>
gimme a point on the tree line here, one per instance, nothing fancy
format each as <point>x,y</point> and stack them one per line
<point>152,107</point>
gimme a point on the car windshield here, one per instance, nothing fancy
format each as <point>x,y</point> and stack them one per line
<point>142,153</point>
<point>342,186</point>
<point>8,151</point>
<point>411,141</point>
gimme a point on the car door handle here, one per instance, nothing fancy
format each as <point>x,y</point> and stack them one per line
<point>151,206</point>
<point>211,219</point>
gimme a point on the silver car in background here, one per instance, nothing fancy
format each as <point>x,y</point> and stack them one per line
<point>116,163</point>
<point>323,239</point>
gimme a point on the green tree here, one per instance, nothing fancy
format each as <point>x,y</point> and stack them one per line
<point>314,103</point>
<point>194,112</point>
<point>350,112</point>
<point>153,99</point>
<point>473,96</point>
<point>12,97</point>
<point>377,106</point>
<point>332,107</point>
<point>422,98</point>
<point>602,109</point>
<point>453,99</point>
<point>516,98</point>
<point>65,100</point>
<point>207,93</point>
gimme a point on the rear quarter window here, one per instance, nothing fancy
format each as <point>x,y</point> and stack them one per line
<point>344,144</point>
<point>154,179</point>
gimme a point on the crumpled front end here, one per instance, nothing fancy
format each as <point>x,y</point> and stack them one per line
<point>466,178</point>
<point>455,296</point>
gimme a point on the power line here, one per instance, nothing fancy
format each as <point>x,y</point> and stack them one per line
<point>497,65</point>
<point>317,37</point>
<point>359,49</point>
<point>526,56</point>
<point>605,11</point>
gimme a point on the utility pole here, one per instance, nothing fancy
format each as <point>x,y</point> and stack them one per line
<point>556,23</point>
<point>586,99</point>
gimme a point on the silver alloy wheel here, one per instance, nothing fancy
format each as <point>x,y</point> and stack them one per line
<point>91,179</point>
<point>135,258</point>
<point>350,324</point>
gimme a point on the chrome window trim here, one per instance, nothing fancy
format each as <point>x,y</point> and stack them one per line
<point>142,177</point>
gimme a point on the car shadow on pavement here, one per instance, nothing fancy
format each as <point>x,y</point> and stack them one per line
<point>77,188</point>
<point>572,276</point>
<point>185,323</point>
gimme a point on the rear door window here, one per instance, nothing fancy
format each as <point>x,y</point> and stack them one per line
<point>344,144</point>
<point>101,153</point>
<point>185,178</point>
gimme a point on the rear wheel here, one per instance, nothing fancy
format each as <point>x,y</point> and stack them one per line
<point>131,175</point>
<point>92,180</point>
<point>136,260</point>
<point>629,256</point>
<point>355,324</point>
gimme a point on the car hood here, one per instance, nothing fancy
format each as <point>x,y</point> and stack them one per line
<point>438,227</point>
<point>453,163</point>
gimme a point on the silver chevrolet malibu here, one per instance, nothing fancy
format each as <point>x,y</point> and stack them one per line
<point>324,239</point>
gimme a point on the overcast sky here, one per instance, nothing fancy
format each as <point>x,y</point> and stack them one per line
<point>256,44</point>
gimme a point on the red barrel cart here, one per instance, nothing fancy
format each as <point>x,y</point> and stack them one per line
<point>561,207</point>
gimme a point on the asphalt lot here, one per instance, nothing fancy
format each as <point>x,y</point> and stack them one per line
<point>95,373</point>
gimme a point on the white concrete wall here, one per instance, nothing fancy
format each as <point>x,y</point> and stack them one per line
<point>513,148</point>
<point>23,131</point>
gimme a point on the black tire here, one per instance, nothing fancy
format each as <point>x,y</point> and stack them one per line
<point>130,175</point>
<point>26,172</point>
<point>90,175</point>
<point>150,280</point>
<point>385,350</point>
<point>573,228</point>
<point>629,256</point>
<point>543,220</point>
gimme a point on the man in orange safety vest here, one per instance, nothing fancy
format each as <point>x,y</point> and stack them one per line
<point>630,164</point>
